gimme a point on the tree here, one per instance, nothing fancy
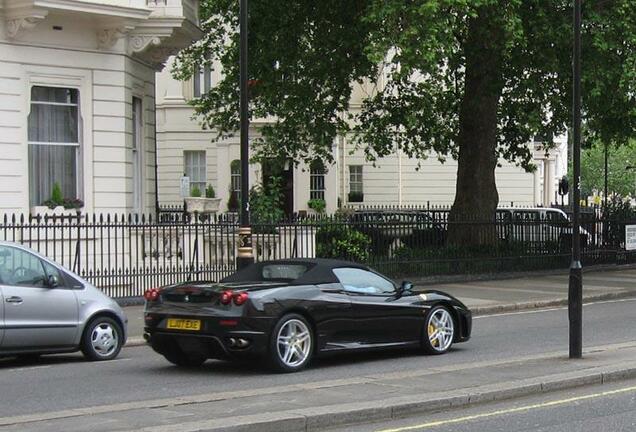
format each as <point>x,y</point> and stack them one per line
<point>621,180</point>
<point>473,80</point>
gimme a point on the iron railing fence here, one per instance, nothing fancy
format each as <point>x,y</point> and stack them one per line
<point>126,254</point>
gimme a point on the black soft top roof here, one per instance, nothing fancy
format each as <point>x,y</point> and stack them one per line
<point>319,271</point>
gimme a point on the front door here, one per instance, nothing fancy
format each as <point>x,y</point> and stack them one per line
<point>380,317</point>
<point>35,315</point>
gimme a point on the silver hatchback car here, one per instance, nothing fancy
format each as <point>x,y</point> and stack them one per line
<point>47,309</point>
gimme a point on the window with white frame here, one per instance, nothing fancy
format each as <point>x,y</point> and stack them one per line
<point>317,180</point>
<point>235,179</point>
<point>54,145</point>
<point>202,80</point>
<point>195,168</point>
<point>355,179</point>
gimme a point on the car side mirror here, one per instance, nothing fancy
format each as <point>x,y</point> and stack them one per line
<point>53,281</point>
<point>405,287</point>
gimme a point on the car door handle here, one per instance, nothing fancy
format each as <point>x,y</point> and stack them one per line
<point>14,299</point>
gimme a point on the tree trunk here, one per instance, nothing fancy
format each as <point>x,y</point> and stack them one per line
<point>476,198</point>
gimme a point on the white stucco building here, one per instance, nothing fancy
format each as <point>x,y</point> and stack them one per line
<point>185,148</point>
<point>77,98</point>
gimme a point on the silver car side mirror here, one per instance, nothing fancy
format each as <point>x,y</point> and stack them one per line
<point>53,281</point>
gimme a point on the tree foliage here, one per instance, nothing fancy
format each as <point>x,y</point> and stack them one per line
<point>470,79</point>
<point>620,179</point>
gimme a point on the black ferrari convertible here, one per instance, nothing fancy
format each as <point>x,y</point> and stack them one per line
<point>291,310</point>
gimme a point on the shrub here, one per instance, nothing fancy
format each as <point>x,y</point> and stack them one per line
<point>209,192</point>
<point>317,205</point>
<point>57,199</point>
<point>73,203</point>
<point>266,202</point>
<point>342,242</point>
<point>195,192</point>
<point>232,201</point>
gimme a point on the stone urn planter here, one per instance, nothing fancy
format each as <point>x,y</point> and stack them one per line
<point>58,211</point>
<point>202,205</point>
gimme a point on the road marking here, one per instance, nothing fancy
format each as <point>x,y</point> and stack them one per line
<point>512,410</point>
<point>27,368</point>
<point>591,303</point>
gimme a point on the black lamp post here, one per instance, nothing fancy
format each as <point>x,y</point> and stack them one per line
<point>245,256</point>
<point>575,288</point>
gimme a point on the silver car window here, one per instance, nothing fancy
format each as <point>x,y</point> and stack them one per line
<point>20,268</point>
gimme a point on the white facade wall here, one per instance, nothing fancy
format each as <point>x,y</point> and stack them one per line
<point>64,45</point>
<point>395,180</point>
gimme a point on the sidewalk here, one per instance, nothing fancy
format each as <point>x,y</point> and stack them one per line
<point>494,296</point>
<point>330,403</point>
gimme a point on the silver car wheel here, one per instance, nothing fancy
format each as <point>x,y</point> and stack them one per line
<point>294,343</point>
<point>104,339</point>
<point>440,330</point>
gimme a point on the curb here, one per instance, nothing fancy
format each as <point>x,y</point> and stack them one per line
<point>313,419</point>
<point>135,341</point>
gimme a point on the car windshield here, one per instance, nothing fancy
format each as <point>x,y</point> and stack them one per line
<point>283,271</point>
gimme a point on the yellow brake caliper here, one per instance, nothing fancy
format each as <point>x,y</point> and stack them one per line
<point>431,330</point>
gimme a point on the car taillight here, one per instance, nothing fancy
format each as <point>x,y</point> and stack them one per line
<point>226,297</point>
<point>152,294</point>
<point>240,298</point>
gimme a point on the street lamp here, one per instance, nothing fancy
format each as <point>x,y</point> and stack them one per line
<point>575,287</point>
<point>245,256</point>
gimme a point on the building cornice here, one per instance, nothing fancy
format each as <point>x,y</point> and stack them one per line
<point>151,31</point>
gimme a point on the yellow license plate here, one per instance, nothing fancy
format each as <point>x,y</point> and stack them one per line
<point>184,324</point>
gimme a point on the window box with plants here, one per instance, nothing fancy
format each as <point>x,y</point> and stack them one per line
<point>58,205</point>
<point>318,205</point>
<point>196,203</point>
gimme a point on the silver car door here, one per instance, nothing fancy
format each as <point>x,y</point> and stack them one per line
<point>36,314</point>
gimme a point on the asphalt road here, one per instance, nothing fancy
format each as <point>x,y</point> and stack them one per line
<point>607,408</point>
<point>61,382</point>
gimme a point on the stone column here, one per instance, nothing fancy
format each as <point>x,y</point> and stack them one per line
<point>548,182</point>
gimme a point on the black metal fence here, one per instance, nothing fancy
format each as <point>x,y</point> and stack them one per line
<point>125,255</point>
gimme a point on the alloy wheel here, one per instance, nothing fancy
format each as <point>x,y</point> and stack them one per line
<point>440,329</point>
<point>293,343</point>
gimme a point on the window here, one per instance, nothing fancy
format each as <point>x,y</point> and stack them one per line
<point>202,81</point>
<point>137,154</point>
<point>20,268</point>
<point>317,180</point>
<point>235,179</point>
<point>283,271</point>
<point>355,183</point>
<point>363,282</point>
<point>195,167</point>
<point>54,146</point>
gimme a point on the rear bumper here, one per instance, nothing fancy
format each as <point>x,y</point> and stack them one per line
<point>248,337</point>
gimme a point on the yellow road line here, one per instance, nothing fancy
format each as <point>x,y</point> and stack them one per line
<point>511,410</point>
